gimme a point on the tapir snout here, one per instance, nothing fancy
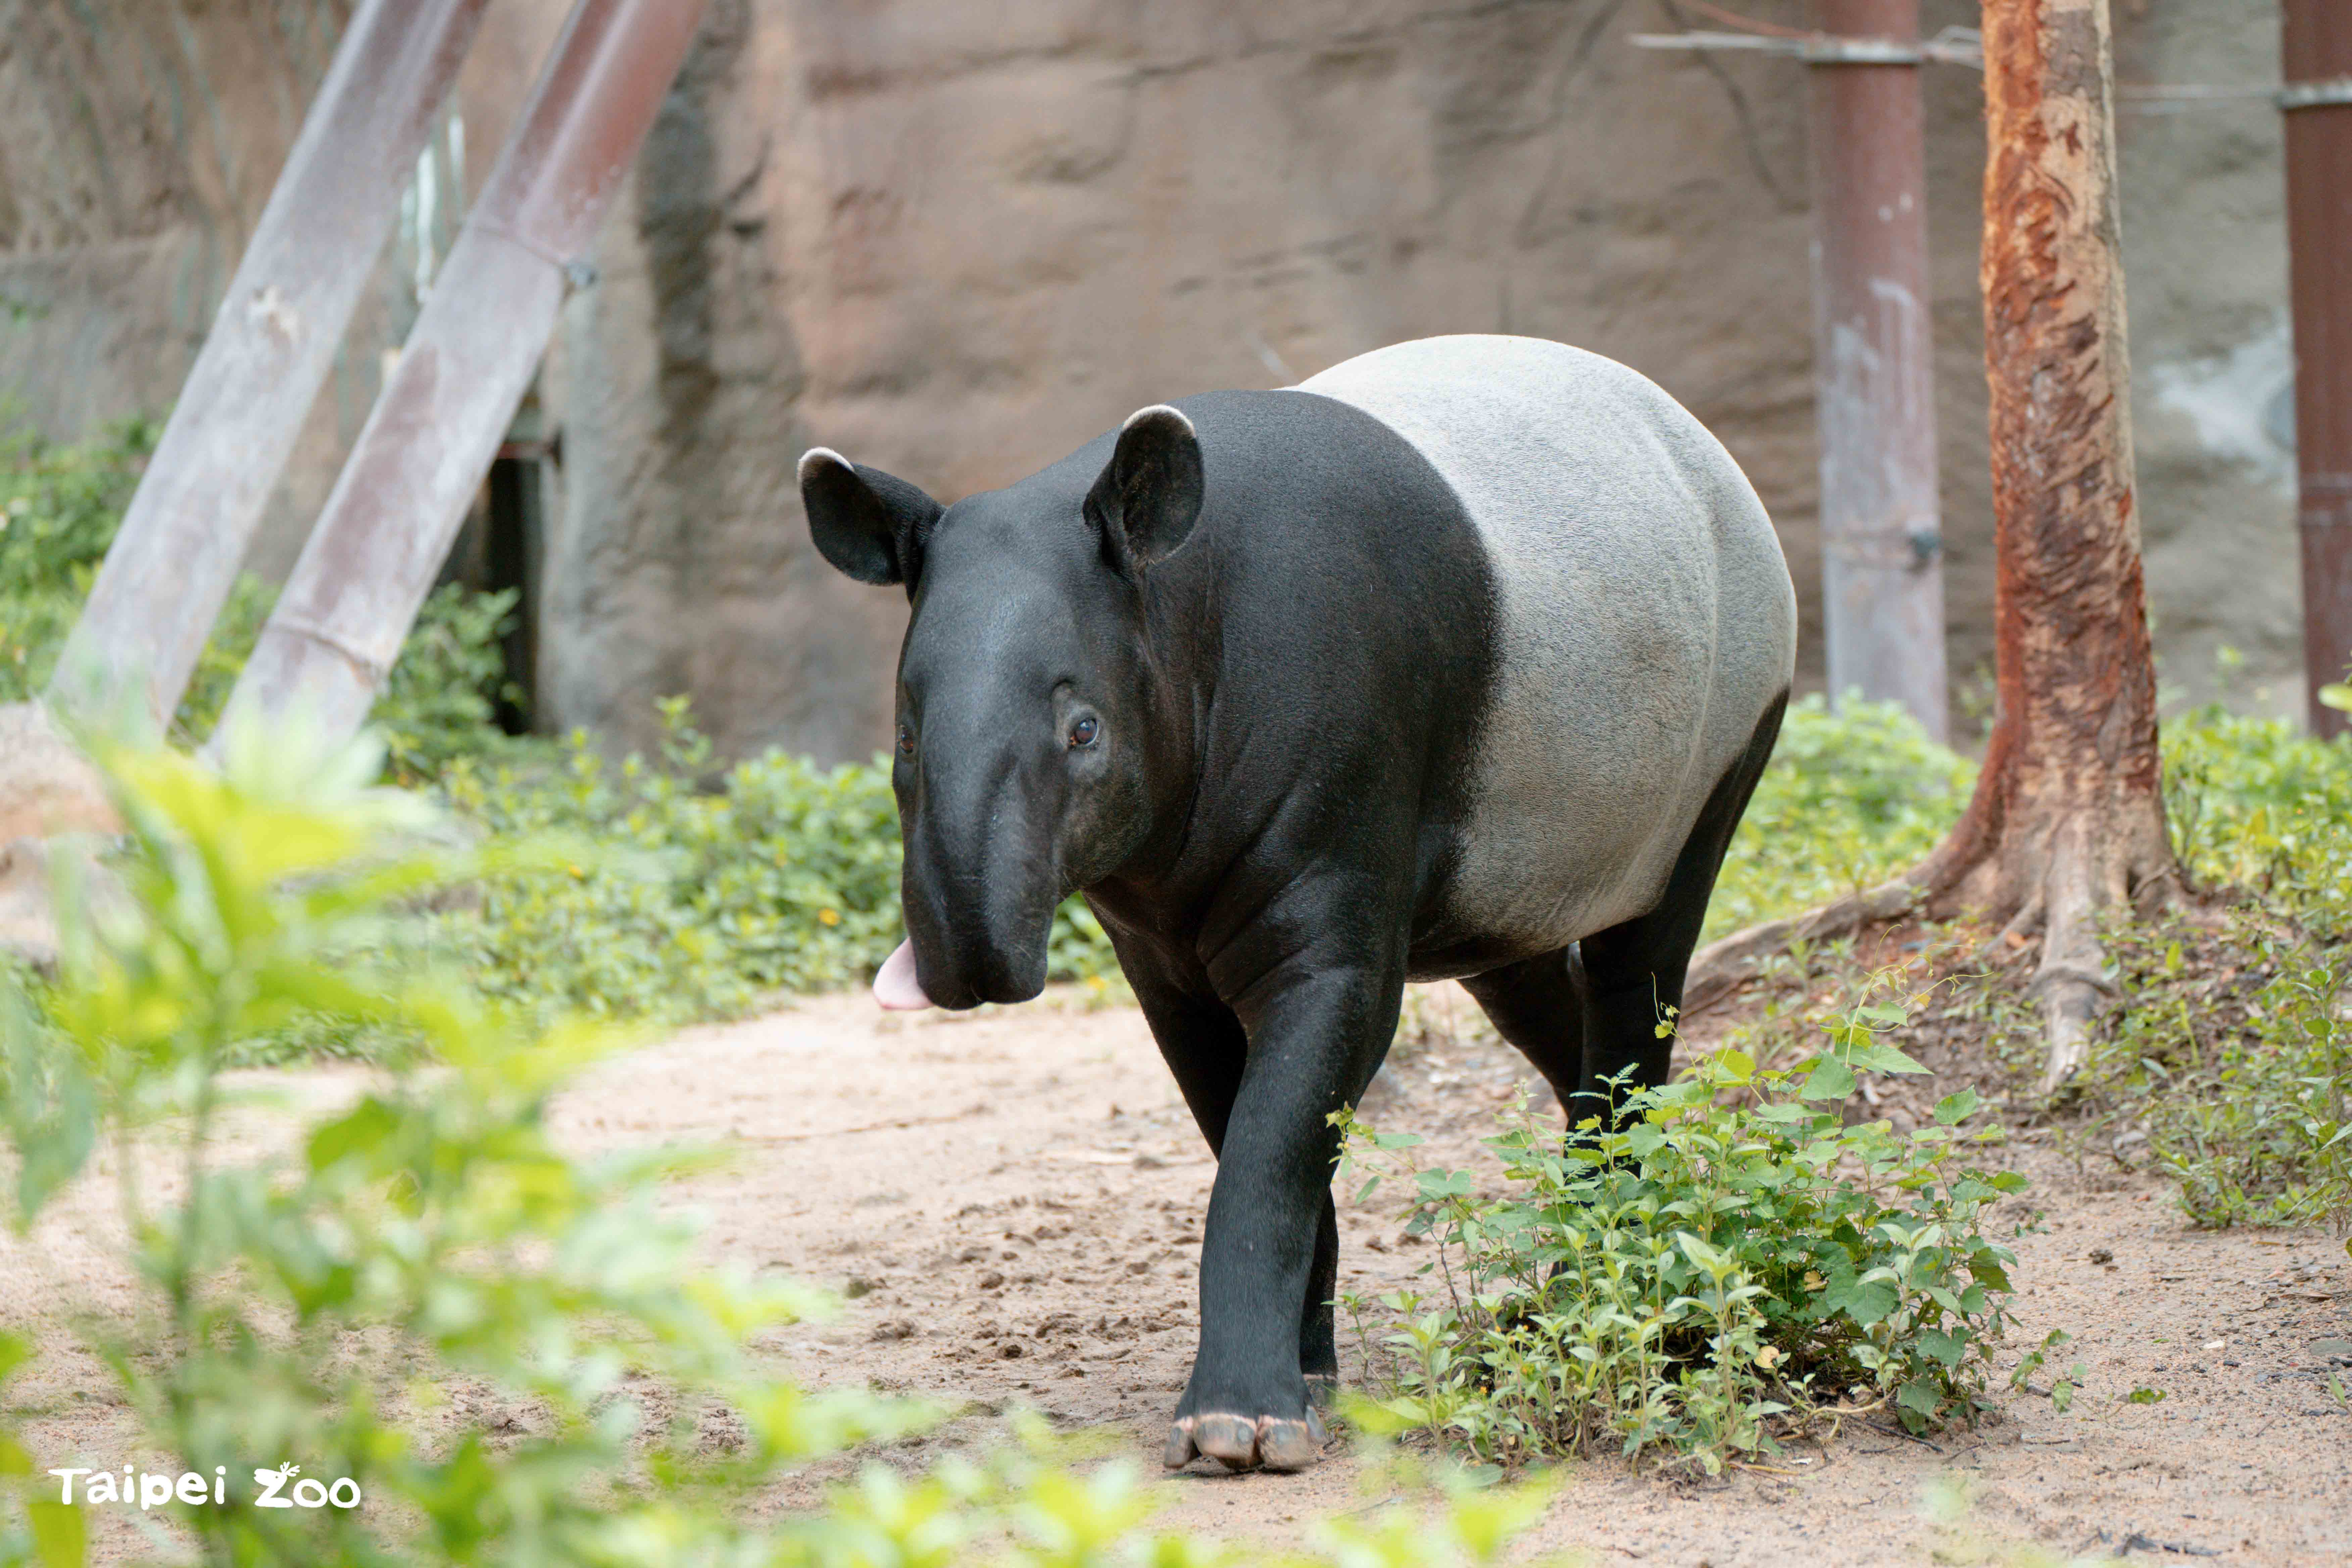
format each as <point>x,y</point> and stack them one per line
<point>979,886</point>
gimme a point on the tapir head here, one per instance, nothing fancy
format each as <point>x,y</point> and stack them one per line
<point>1024,736</point>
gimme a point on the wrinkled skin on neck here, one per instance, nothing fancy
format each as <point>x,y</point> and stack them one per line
<point>1027,718</point>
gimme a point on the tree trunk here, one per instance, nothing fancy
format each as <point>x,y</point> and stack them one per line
<point>2068,817</point>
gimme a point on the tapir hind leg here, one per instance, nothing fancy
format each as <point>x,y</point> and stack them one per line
<point>1538,1005</point>
<point>1634,972</point>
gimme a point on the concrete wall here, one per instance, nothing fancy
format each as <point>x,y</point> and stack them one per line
<point>958,242</point>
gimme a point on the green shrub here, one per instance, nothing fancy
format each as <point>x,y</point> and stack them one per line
<point>1728,1255</point>
<point>2227,1048</point>
<point>62,504</point>
<point>440,703</point>
<point>59,506</point>
<point>704,901</point>
<point>60,509</point>
<point>309,1305</point>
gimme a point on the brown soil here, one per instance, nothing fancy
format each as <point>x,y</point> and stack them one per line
<point>1014,1197</point>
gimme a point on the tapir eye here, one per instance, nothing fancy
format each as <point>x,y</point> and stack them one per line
<point>906,741</point>
<point>1084,731</point>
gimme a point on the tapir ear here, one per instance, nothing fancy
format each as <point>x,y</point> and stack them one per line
<point>870,525</point>
<point>1149,496</point>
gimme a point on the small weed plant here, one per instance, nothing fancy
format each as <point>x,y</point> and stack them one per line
<point>2236,1067</point>
<point>1723,1261</point>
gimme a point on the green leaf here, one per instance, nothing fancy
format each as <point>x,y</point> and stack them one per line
<point>367,1127</point>
<point>1830,1079</point>
<point>1876,1057</point>
<point>1955,1109</point>
<point>60,1534</point>
<point>1871,1301</point>
<point>1919,1396</point>
<point>1943,1347</point>
<point>2145,1396</point>
<point>1734,1066</point>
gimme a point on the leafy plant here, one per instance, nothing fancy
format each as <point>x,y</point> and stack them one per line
<point>2062,1389</point>
<point>780,876</point>
<point>2236,1065</point>
<point>440,702</point>
<point>2256,804</point>
<point>1719,1258</point>
<point>61,504</point>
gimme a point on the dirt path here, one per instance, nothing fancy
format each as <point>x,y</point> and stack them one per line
<point>1017,1197</point>
<point>1014,1197</point>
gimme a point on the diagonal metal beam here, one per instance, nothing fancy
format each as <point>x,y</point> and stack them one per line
<point>435,427</point>
<point>271,348</point>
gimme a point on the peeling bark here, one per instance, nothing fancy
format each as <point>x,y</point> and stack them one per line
<point>2068,817</point>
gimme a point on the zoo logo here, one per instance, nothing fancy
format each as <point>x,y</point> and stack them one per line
<point>272,1482</point>
<point>148,1490</point>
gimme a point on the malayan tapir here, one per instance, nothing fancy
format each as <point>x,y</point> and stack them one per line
<point>1456,660</point>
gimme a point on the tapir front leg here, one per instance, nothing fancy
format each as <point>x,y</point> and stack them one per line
<point>1318,1029</point>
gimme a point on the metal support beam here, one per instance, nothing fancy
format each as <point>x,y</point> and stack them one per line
<point>2317,57</point>
<point>1873,366</point>
<point>447,404</point>
<point>1874,357</point>
<point>270,347</point>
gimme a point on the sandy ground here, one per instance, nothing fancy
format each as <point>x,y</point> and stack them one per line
<point>1011,1201</point>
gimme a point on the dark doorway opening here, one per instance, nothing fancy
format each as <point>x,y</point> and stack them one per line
<point>514,552</point>
<point>503,547</point>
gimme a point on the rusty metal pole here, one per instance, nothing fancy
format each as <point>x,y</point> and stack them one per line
<point>2317,103</point>
<point>435,429</point>
<point>270,349</point>
<point>1874,363</point>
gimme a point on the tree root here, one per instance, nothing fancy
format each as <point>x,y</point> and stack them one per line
<point>1723,966</point>
<point>2056,876</point>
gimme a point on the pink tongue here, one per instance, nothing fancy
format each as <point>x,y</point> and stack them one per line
<point>895,987</point>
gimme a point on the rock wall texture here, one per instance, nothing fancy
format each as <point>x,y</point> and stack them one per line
<point>956,241</point>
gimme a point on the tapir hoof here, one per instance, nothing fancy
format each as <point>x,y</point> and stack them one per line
<point>1238,1443</point>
